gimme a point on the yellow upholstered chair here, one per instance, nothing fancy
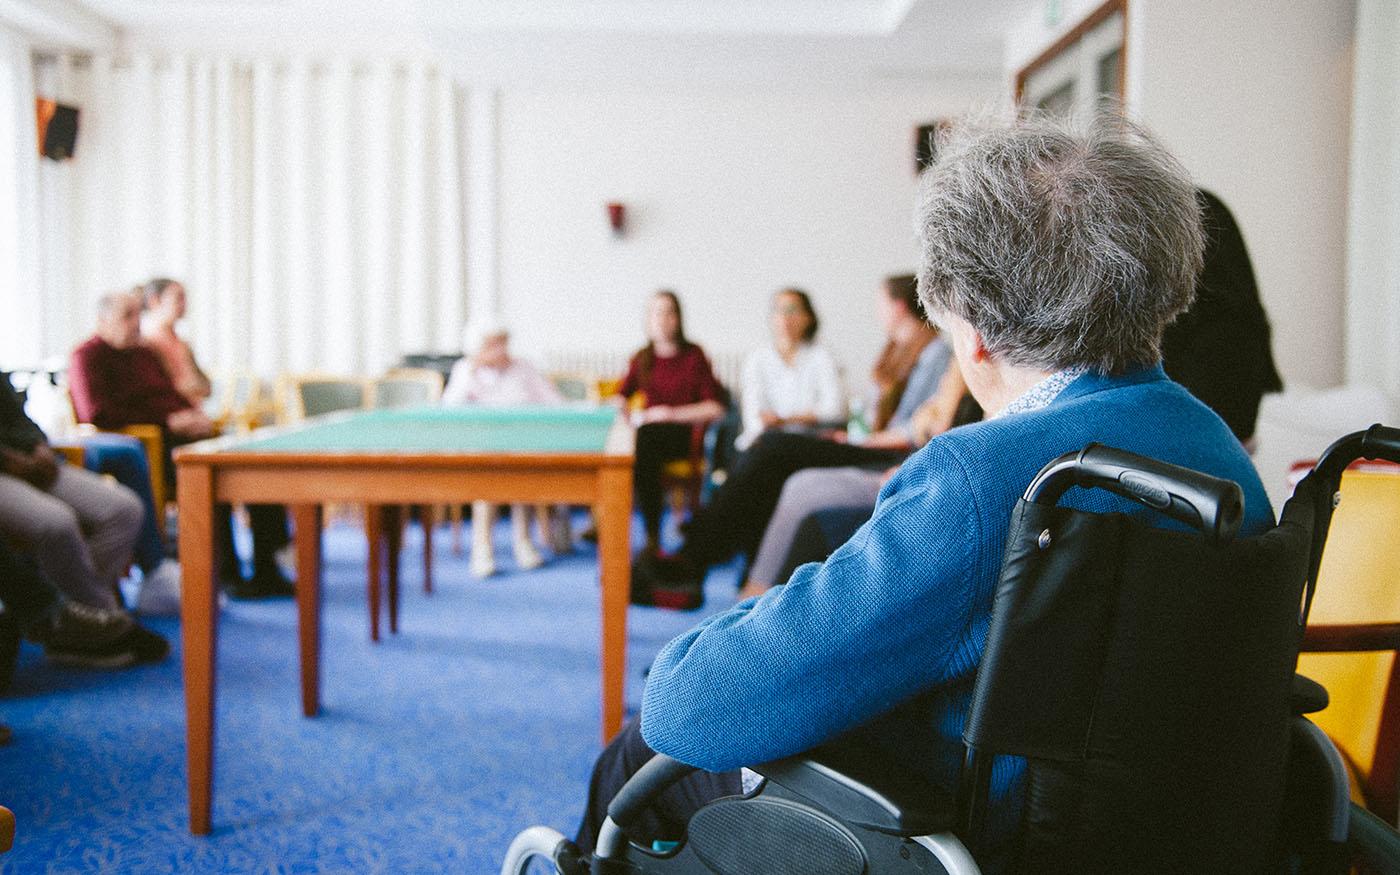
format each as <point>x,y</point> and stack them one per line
<point>1354,632</point>
<point>152,439</point>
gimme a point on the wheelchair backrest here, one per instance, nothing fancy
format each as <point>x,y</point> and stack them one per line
<point>1145,675</point>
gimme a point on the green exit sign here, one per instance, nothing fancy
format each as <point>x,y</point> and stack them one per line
<point>1054,11</point>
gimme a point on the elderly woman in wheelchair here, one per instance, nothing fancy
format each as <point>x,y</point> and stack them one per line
<point>1127,705</point>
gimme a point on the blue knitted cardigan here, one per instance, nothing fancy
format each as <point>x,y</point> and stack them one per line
<point>881,641</point>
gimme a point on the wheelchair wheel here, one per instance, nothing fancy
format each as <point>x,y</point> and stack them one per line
<point>541,842</point>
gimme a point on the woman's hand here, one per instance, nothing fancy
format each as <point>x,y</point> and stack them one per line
<point>190,423</point>
<point>38,467</point>
<point>889,439</point>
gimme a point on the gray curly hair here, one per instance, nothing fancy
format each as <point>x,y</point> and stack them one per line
<point>1063,243</point>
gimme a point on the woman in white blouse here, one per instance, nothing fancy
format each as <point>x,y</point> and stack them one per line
<point>794,382</point>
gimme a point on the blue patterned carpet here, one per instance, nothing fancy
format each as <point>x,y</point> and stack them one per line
<point>433,748</point>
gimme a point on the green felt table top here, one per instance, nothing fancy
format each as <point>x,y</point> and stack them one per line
<point>448,430</point>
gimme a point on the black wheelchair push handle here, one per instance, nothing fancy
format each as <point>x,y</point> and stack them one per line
<point>1212,506</point>
<point>1377,442</point>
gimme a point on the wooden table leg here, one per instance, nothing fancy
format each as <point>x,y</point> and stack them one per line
<point>614,517</point>
<point>374,534</point>
<point>393,536</point>
<point>199,636</point>
<point>307,520</point>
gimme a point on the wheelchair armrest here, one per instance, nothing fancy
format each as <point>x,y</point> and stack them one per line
<point>1351,637</point>
<point>1373,843</point>
<point>870,791</point>
<point>1308,696</point>
<point>632,800</point>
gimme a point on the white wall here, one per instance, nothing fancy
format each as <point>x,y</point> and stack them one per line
<point>1254,96</point>
<point>1373,264</point>
<point>731,194</point>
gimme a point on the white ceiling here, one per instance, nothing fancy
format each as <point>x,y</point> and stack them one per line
<point>569,39</point>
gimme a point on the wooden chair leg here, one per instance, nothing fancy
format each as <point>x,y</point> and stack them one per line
<point>7,829</point>
<point>454,519</point>
<point>393,534</point>
<point>427,513</point>
<point>374,534</point>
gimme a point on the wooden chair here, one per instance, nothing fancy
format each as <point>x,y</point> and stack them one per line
<point>405,387</point>
<point>152,438</point>
<point>240,402</point>
<point>307,395</point>
<point>683,480</point>
<point>1353,634</point>
<point>7,829</point>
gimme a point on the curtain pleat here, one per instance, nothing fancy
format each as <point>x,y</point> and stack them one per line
<point>312,209</point>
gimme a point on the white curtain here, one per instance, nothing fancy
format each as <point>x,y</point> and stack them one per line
<point>21,310</point>
<point>1373,233</point>
<point>313,210</point>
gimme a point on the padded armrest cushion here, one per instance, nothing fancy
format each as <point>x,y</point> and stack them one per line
<point>865,790</point>
<point>1308,696</point>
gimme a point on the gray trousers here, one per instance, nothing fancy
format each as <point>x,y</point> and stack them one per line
<point>804,493</point>
<point>80,531</point>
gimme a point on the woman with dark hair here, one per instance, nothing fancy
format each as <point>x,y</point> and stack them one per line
<point>1219,348</point>
<point>674,390</point>
<point>906,374</point>
<point>792,383</point>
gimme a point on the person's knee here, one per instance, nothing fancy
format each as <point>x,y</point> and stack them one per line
<point>126,513</point>
<point>56,526</point>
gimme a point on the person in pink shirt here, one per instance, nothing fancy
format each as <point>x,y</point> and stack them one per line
<point>488,374</point>
<point>165,306</point>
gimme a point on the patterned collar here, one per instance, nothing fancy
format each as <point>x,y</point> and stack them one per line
<point>1039,396</point>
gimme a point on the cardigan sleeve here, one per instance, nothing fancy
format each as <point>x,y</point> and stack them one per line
<point>841,643</point>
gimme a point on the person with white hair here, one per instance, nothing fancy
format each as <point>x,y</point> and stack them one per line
<point>1053,256</point>
<point>488,374</point>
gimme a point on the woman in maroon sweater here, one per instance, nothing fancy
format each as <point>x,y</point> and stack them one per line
<point>679,396</point>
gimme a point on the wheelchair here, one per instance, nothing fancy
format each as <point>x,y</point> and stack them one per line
<point>1144,672</point>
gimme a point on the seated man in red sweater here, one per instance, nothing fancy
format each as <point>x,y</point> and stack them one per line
<point>115,382</point>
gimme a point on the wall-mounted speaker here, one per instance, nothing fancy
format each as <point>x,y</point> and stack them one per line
<point>58,128</point>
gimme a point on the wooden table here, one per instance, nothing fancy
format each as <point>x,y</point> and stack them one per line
<point>530,455</point>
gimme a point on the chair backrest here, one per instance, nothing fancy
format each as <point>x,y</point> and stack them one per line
<point>1145,674</point>
<point>318,395</point>
<point>1359,586</point>
<point>406,387</point>
<point>574,387</point>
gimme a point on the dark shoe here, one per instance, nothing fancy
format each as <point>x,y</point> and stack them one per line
<point>112,654</point>
<point>139,644</point>
<point>146,645</point>
<point>666,582</point>
<point>88,637</point>
<point>267,582</point>
<point>72,625</point>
